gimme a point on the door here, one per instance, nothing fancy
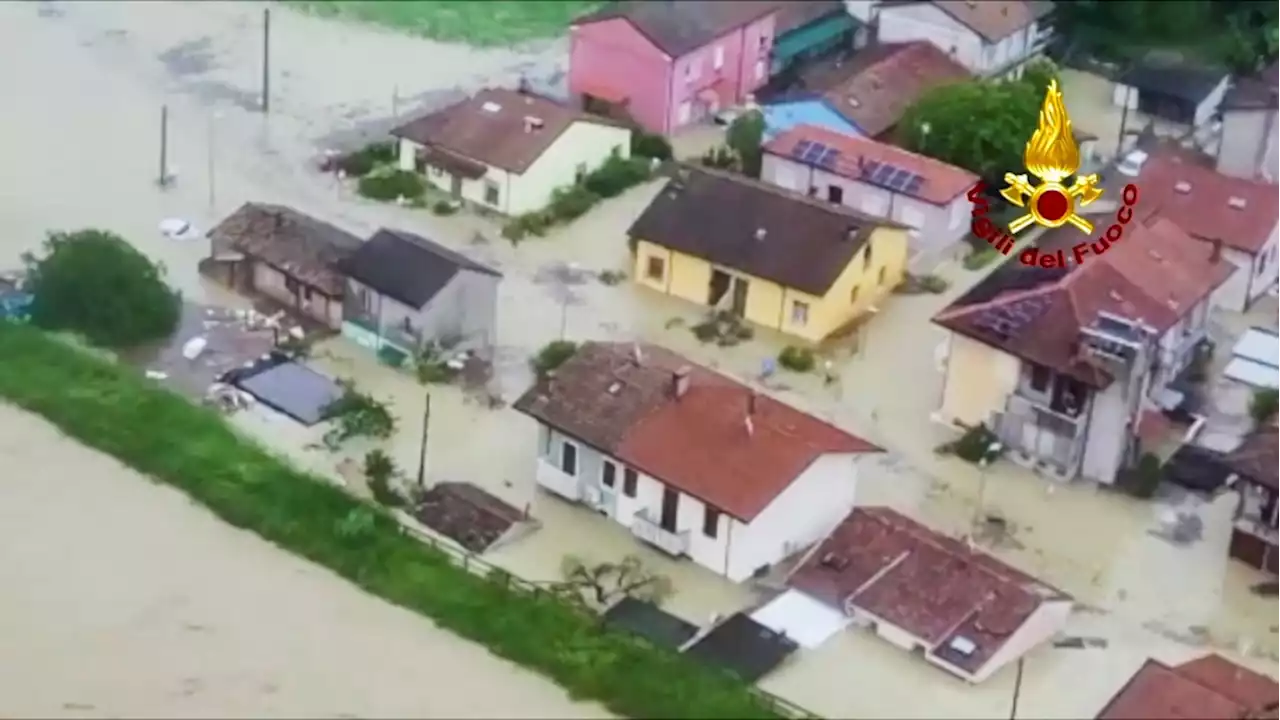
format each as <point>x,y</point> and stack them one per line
<point>739,297</point>
<point>685,111</point>
<point>670,504</point>
<point>609,478</point>
<point>455,186</point>
<point>835,194</point>
<point>720,282</point>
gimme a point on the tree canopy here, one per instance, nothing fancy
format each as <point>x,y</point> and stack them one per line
<point>981,125</point>
<point>94,283</point>
<point>745,136</point>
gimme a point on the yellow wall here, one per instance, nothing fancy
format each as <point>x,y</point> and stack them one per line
<point>977,383</point>
<point>771,305</point>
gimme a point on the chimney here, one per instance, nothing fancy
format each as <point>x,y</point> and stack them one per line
<point>852,234</point>
<point>751,403</point>
<point>761,233</point>
<point>1182,187</point>
<point>1236,203</point>
<point>680,381</point>
<point>636,355</point>
<point>751,428</point>
<point>532,123</point>
<point>522,87</point>
<point>1215,255</point>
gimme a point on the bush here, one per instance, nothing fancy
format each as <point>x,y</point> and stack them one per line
<point>797,359</point>
<point>357,414</point>
<point>533,223</point>
<point>95,284</point>
<point>379,471</point>
<point>552,355</point>
<point>444,207</point>
<point>392,185</point>
<point>1263,405</point>
<point>569,204</point>
<point>363,161</point>
<point>616,176</point>
<point>980,258</point>
<point>117,411</point>
<point>975,445</point>
<point>649,145</point>
<point>719,157</point>
<point>1142,480</point>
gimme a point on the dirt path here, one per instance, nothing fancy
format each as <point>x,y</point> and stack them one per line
<point>123,599</point>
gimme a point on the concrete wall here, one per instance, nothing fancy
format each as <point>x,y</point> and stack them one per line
<point>1248,143</point>
<point>613,54</point>
<point>977,382</point>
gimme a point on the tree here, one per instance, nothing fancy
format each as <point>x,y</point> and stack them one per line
<point>94,283</point>
<point>551,356</point>
<point>745,136</point>
<point>600,585</point>
<point>1039,73</point>
<point>982,125</point>
<point>1263,405</point>
<point>356,414</point>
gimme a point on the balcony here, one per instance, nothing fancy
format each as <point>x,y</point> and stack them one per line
<point>558,481</point>
<point>645,528</point>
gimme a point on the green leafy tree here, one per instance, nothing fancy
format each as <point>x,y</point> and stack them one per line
<point>745,136</point>
<point>981,125</point>
<point>94,283</point>
<point>1039,73</point>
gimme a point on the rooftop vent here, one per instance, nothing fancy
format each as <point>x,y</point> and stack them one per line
<point>492,107</point>
<point>636,355</point>
<point>761,233</point>
<point>532,123</point>
<point>615,387</point>
<point>1155,256</point>
<point>853,101</point>
<point>963,645</point>
<point>1237,203</point>
<point>1182,187</point>
<point>832,561</point>
<point>1117,297</point>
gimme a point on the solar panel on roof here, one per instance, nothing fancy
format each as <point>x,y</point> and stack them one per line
<point>816,151</point>
<point>828,159</point>
<point>868,167</point>
<point>882,173</point>
<point>800,149</point>
<point>913,187</point>
<point>894,181</point>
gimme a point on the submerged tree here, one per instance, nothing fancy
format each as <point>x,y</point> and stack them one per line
<point>600,585</point>
<point>745,136</point>
<point>94,283</point>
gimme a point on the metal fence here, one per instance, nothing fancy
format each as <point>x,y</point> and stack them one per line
<point>476,566</point>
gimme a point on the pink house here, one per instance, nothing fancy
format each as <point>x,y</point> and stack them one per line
<point>671,64</point>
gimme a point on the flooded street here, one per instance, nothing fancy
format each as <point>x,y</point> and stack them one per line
<point>81,141</point>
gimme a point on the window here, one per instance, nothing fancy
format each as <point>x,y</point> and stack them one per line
<point>569,458</point>
<point>407,324</point>
<point>491,192</point>
<point>853,296</point>
<point>291,286</point>
<point>1039,378</point>
<point>616,151</point>
<point>692,70</point>
<point>629,480</point>
<point>799,313</point>
<point>764,42</point>
<point>436,172</point>
<point>710,521</point>
<point>880,280</point>
<point>835,194</point>
<point>657,268</point>
<point>760,70</point>
<point>868,255</point>
<point>719,57</point>
<point>580,172</point>
<point>609,474</point>
<point>685,111</point>
<point>306,294</point>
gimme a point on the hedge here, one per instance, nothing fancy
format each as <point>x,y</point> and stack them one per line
<point>115,410</point>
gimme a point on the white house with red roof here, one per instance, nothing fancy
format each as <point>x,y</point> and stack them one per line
<point>963,610</point>
<point>692,462</point>
<point>881,180</point>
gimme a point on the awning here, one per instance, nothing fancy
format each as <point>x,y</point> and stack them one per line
<point>1255,359</point>
<point>814,35</point>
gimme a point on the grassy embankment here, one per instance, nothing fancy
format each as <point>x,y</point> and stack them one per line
<point>112,409</point>
<point>485,24</point>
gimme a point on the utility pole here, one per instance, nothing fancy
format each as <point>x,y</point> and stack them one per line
<point>564,316</point>
<point>164,146</point>
<point>1124,119</point>
<point>422,450</point>
<point>266,60</point>
<point>1017,691</point>
<point>212,118</point>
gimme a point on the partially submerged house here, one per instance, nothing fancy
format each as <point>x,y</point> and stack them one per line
<point>992,38</point>
<point>691,461</point>
<point>927,196</point>
<point>405,291</point>
<point>284,255</point>
<point>1177,92</point>
<point>809,30</point>
<point>1208,687</point>
<point>1254,468</point>
<point>1248,148</point>
<point>961,609</point>
<point>1064,364</point>
<point>508,150</point>
<point>776,258</point>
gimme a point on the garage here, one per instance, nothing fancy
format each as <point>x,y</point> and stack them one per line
<point>801,618</point>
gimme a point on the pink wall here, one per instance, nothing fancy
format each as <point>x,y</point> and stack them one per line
<point>613,54</point>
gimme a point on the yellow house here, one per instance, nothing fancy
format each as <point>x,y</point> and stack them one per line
<point>508,150</point>
<point>773,257</point>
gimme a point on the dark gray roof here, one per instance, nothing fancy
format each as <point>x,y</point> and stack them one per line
<point>676,28</point>
<point>407,268</point>
<point>1179,80</point>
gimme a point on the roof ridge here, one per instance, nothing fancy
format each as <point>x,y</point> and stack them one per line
<point>857,140</point>
<point>1003,298</point>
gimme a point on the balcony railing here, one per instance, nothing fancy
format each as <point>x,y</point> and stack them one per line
<point>644,527</point>
<point>558,481</point>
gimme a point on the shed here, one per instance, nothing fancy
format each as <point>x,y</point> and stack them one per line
<point>650,622</point>
<point>1176,91</point>
<point>1255,359</point>
<point>744,647</point>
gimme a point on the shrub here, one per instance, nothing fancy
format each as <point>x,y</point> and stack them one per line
<point>117,411</point>
<point>720,157</point>
<point>433,367</point>
<point>532,223</point>
<point>356,414</point>
<point>379,471</point>
<point>444,207</point>
<point>649,145</point>
<point>363,161</point>
<point>797,359</point>
<point>616,176</point>
<point>980,258</point>
<point>569,204</point>
<point>552,355</point>
<point>975,445</point>
<point>1142,480</point>
<point>1263,405</point>
<point>392,185</point>
<point>94,283</point>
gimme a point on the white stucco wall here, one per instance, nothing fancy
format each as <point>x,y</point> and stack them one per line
<point>1047,621</point>
<point>1253,276</point>
<point>1248,143</point>
<point>925,21</point>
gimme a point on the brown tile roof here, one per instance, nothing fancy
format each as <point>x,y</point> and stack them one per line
<point>934,587</point>
<point>1258,457</point>
<point>494,127</point>
<point>942,182</point>
<point>300,246</point>
<point>1204,209</point>
<point>1156,273</point>
<point>795,14</point>
<point>698,443</point>
<point>1210,687</point>
<point>755,228</point>
<point>880,83</point>
<point>677,28</point>
<point>993,20</point>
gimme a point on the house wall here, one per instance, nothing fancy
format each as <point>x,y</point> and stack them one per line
<point>472,190</point>
<point>729,68</point>
<point>1200,116</point>
<point>1043,624</point>
<point>924,21</point>
<point>1108,433</point>
<point>781,117</point>
<point>1208,107</point>
<point>1253,276</point>
<point>310,302</point>
<point>937,227</point>
<point>613,54</point>
<point>977,381</point>
<point>1248,143</point>
<point>464,310</point>
<point>1178,343</point>
<point>771,305</point>
<point>819,499</point>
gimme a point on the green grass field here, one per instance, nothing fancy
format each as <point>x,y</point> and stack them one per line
<point>496,22</point>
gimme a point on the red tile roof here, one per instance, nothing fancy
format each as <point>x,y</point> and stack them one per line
<point>700,443</point>
<point>1204,209</point>
<point>934,587</point>
<point>1156,273</point>
<point>1210,687</point>
<point>881,82</point>
<point>942,182</point>
<point>991,19</point>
